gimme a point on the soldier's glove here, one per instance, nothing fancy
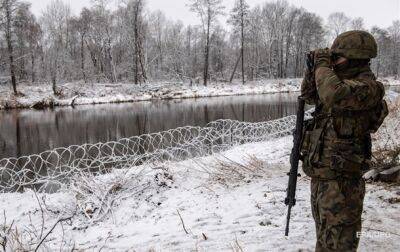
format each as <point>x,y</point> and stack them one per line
<point>322,58</point>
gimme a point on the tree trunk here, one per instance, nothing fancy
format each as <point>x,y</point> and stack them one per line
<point>109,61</point>
<point>136,60</point>
<point>234,69</point>
<point>207,48</point>
<point>93,57</point>
<point>141,59</point>
<point>54,82</point>
<point>53,72</point>
<point>242,40</point>
<point>83,58</point>
<point>10,48</point>
<point>33,76</point>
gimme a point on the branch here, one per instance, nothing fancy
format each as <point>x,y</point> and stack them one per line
<point>183,223</point>
<point>51,230</point>
<point>42,212</point>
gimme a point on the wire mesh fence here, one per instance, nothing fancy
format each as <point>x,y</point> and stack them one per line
<point>49,170</point>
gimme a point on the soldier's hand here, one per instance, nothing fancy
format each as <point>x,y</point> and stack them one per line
<point>322,57</point>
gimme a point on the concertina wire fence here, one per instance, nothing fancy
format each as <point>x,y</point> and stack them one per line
<point>53,168</point>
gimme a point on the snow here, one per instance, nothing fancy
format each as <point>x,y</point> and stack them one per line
<point>96,93</point>
<point>228,201</point>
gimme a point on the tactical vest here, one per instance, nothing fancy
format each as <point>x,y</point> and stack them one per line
<point>337,141</point>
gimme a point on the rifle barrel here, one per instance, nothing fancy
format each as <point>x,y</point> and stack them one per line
<point>288,220</point>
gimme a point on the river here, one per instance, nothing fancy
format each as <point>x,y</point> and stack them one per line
<point>25,132</point>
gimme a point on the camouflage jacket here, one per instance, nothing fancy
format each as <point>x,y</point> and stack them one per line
<point>349,107</point>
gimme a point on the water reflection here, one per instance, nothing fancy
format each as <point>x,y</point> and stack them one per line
<point>24,132</point>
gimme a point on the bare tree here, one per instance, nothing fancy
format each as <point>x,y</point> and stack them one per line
<point>381,63</point>
<point>81,26</point>
<point>8,8</point>
<point>357,24</point>
<point>54,22</point>
<point>240,20</point>
<point>338,22</point>
<point>134,37</point>
<point>100,40</point>
<point>34,34</point>
<point>27,34</point>
<point>208,11</point>
<point>394,33</point>
<point>137,7</point>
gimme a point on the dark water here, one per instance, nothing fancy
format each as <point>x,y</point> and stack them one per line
<point>24,132</point>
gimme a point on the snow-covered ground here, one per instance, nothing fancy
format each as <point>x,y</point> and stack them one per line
<point>86,93</point>
<point>231,201</point>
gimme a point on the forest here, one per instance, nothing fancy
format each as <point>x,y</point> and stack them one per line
<point>133,44</point>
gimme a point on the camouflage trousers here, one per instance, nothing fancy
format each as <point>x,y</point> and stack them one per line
<point>337,207</point>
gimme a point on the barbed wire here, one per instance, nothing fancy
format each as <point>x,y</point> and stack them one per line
<point>49,170</point>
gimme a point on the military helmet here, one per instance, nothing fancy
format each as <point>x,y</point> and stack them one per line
<point>355,45</point>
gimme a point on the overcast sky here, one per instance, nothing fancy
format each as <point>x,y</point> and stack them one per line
<point>374,12</point>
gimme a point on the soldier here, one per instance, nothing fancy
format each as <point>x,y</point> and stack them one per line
<point>337,143</point>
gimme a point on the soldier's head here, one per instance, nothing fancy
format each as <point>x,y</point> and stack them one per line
<point>354,48</point>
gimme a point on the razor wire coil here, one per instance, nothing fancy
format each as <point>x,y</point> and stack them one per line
<point>50,170</point>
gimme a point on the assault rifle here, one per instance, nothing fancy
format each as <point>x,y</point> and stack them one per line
<point>295,156</point>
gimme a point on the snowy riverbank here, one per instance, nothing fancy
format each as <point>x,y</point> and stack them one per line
<point>40,96</point>
<point>81,93</point>
<point>228,201</point>
<point>391,81</point>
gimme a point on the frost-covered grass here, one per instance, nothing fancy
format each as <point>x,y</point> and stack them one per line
<point>231,201</point>
<point>388,136</point>
<point>95,93</point>
<point>386,147</point>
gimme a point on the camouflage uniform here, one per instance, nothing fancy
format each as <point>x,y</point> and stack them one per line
<point>337,143</point>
